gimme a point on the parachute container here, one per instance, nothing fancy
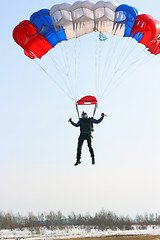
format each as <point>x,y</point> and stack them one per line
<point>87,100</point>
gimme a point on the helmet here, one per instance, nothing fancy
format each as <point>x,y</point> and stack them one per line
<point>84,115</point>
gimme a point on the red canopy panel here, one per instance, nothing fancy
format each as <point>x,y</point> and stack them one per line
<point>32,42</point>
<point>147,25</point>
<point>87,100</point>
<point>155,47</point>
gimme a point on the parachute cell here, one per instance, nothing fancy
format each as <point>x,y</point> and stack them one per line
<point>42,22</point>
<point>25,35</point>
<point>147,27</point>
<point>125,16</point>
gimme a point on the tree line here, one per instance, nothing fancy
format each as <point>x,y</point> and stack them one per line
<point>101,220</point>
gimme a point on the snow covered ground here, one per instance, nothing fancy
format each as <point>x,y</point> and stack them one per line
<point>76,232</point>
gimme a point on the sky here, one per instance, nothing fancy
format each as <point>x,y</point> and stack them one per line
<point>38,144</point>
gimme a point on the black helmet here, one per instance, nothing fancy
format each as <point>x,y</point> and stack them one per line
<point>84,115</point>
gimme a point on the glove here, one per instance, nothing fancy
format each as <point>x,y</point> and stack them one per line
<point>70,120</point>
<point>102,115</point>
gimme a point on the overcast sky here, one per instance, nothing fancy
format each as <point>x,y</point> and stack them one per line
<point>38,145</point>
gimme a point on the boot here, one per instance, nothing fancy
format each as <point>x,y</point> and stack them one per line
<point>78,162</point>
<point>93,160</point>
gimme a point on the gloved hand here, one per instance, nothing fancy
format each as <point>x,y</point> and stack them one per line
<point>70,120</point>
<point>102,115</point>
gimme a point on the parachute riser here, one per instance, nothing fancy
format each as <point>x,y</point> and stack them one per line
<point>95,108</point>
<point>77,110</point>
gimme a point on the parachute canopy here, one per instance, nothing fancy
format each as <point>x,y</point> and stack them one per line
<point>71,30</point>
<point>65,21</point>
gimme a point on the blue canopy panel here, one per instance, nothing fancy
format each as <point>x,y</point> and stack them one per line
<point>44,25</point>
<point>126,14</point>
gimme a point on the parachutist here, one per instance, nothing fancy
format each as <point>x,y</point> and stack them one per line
<point>86,128</point>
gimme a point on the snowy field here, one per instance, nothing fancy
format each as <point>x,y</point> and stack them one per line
<point>76,232</point>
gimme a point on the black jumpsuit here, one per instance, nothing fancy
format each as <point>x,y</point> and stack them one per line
<point>86,128</point>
